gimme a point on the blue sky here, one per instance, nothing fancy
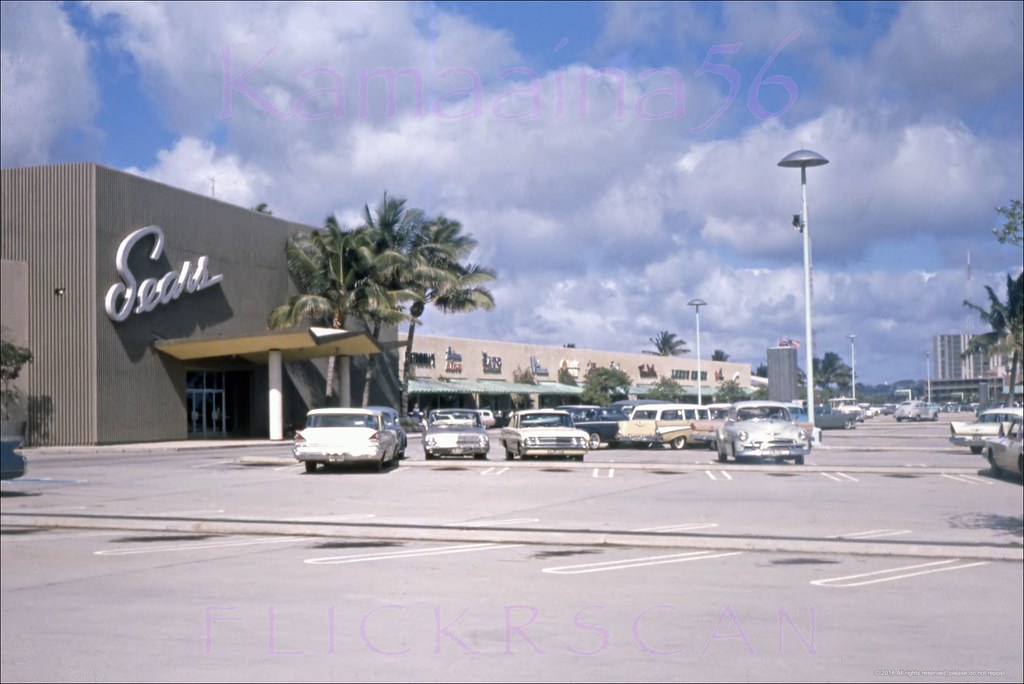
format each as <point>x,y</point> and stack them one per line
<point>613,160</point>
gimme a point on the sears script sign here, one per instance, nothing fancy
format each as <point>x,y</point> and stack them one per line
<point>131,296</point>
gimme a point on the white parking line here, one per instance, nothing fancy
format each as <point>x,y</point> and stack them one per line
<point>724,473</point>
<point>677,528</point>
<point>869,534</point>
<point>967,479</point>
<point>194,546</point>
<point>494,523</point>
<point>611,472</point>
<point>406,553</point>
<point>844,582</point>
<point>193,512</point>
<point>627,563</point>
<point>839,477</point>
<point>493,471</point>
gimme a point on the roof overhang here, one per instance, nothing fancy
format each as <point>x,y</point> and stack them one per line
<point>295,344</point>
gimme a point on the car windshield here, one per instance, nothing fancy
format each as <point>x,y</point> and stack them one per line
<point>546,420</point>
<point>762,413</point>
<point>341,420</point>
<point>455,418</point>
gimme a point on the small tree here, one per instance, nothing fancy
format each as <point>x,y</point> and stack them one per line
<point>604,385</point>
<point>522,377</point>
<point>12,359</point>
<point>729,392</point>
<point>666,389</point>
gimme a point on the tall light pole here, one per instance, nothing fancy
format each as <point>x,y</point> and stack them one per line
<point>696,304</point>
<point>928,370</point>
<point>853,366</point>
<point>802,159</point>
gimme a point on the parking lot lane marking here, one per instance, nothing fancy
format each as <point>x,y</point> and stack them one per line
<point>493,470</point>
<point>627,563</point>
<point>193,547</point>
<point>840,477</point>
<point>407,553</point>
<point>869,534</point>
<point>967,479</point>
<point>192,512</point>
<point>597,471</point>
<point>677,528</point>
<point>493,523</point>
<point>878,575</point>
<point>213,465</point>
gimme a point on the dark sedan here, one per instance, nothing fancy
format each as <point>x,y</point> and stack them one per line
<point>601,424</point>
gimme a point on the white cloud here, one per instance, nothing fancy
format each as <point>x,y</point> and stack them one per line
<point>46,86</point>
<point>195,165</point>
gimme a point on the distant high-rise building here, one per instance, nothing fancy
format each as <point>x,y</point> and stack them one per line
<point>951,364</point>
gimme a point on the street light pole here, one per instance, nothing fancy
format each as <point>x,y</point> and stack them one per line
<point>802,159</point>
<point>697,303</point>
<point>928,370</point>
<point>853,362</point>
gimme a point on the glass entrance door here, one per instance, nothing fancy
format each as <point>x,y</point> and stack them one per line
<point>207,410</point>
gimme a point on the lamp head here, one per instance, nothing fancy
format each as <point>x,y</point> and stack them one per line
<point>802,159</point>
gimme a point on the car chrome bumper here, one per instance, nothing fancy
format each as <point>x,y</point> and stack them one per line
<point>772,452</point>
<point>320,456</point>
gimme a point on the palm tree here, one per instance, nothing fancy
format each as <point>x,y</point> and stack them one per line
<point>1007,322</point>
<point>667,344</point>
<point>390,230</point>
<point>830,370</point>
<point>321,264</point>
<point>437,276</point>
<point>719,355</point>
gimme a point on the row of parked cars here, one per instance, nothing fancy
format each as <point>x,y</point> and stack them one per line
<point>750,429</point>
<point>743,430</point>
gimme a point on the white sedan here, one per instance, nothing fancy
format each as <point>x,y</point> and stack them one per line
<point>345,435</point>
<point>1004,452</point>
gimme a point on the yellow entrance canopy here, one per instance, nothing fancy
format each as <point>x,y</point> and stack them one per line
<point>295,344</point>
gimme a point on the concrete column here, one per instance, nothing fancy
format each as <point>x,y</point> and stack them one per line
<point>345,380</point>
<point>275,406</point>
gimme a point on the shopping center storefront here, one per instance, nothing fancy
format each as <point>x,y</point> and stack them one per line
<point>145,308</point>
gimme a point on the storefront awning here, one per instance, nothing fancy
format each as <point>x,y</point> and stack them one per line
<point>295,344</point>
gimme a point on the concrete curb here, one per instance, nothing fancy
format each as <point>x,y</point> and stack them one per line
<point>500,535</point>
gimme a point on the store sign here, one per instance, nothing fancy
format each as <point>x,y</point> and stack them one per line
<point>131,296</point>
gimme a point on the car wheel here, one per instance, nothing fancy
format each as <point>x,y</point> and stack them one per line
<point>978,450</point>
<point>595,440</point>
<point>379,465</point>
<point>679,443</point>
<point>311,466</point>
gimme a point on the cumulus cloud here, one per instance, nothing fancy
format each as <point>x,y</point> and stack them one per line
<point>586,184</point>
<point>195,165</point>
<point>47,88</point>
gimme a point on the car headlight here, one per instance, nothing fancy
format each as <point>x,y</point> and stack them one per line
<point>530,441</point>
<point>742,435</point>
<point>431,441</point>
